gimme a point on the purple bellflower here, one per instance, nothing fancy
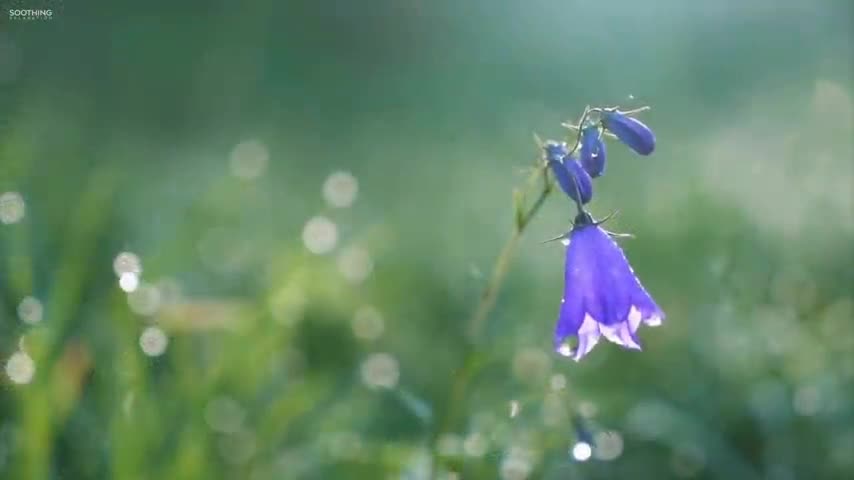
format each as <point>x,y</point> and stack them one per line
<point>630,131</point>
<point>602,296</point>
<point>571,176</point>
<point>592,152</point>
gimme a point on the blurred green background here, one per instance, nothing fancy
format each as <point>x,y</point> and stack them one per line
<point>242,240</point>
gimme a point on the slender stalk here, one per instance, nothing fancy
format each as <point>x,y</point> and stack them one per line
<point>502,262</point>
<point>484,307</point>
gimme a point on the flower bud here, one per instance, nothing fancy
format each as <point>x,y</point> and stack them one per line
<point>630,131</point>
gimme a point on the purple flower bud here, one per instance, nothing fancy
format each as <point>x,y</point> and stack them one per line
<point>630,131</point>
<point>555,151</point>
<point>592,152</point>
<point>567,170</point>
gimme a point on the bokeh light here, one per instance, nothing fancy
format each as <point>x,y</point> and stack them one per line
<point>320,235</point>
<point>340,189</point>
<point>127,262</point>
<point>12,207</point>
<point>582,451</point>
<point>368,323</point>
<point>20,368</point>
<point>249,159</point>
<point>380,370</point>
<point>517,464</point>
<point>129,282</point>
<point>609,445</point>
<point>153,341</point>
<point>355,264</point>
<point>30,310</point>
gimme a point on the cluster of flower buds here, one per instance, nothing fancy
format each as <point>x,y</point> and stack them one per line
<point>602,296</point>
<point>575,173</point>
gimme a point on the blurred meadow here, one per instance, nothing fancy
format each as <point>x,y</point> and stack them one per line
<point>244,240</point>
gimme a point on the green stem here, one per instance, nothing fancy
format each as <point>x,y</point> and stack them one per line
<point>502,264</point>
<point>484,307</point>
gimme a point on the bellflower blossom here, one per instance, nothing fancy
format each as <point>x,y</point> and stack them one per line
<point>602,296</point>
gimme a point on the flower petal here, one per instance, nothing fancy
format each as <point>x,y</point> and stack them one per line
<point>569,320</point>
<point>634,318</point>
<point>630,131</point>
<point>621,334</point>
<point>610,299</point>
<point>588,337</point>
<point>650,313</point>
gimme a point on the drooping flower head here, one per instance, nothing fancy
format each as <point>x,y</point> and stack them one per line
<point>592,152</point>
<point>630,131</point>
<point>570,175</point>
<point>602,296</point>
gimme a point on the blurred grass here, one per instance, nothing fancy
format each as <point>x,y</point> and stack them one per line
<point>744,223</point>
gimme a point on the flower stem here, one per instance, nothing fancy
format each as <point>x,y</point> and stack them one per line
<point>502,262</point>
<point>484,307</point>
